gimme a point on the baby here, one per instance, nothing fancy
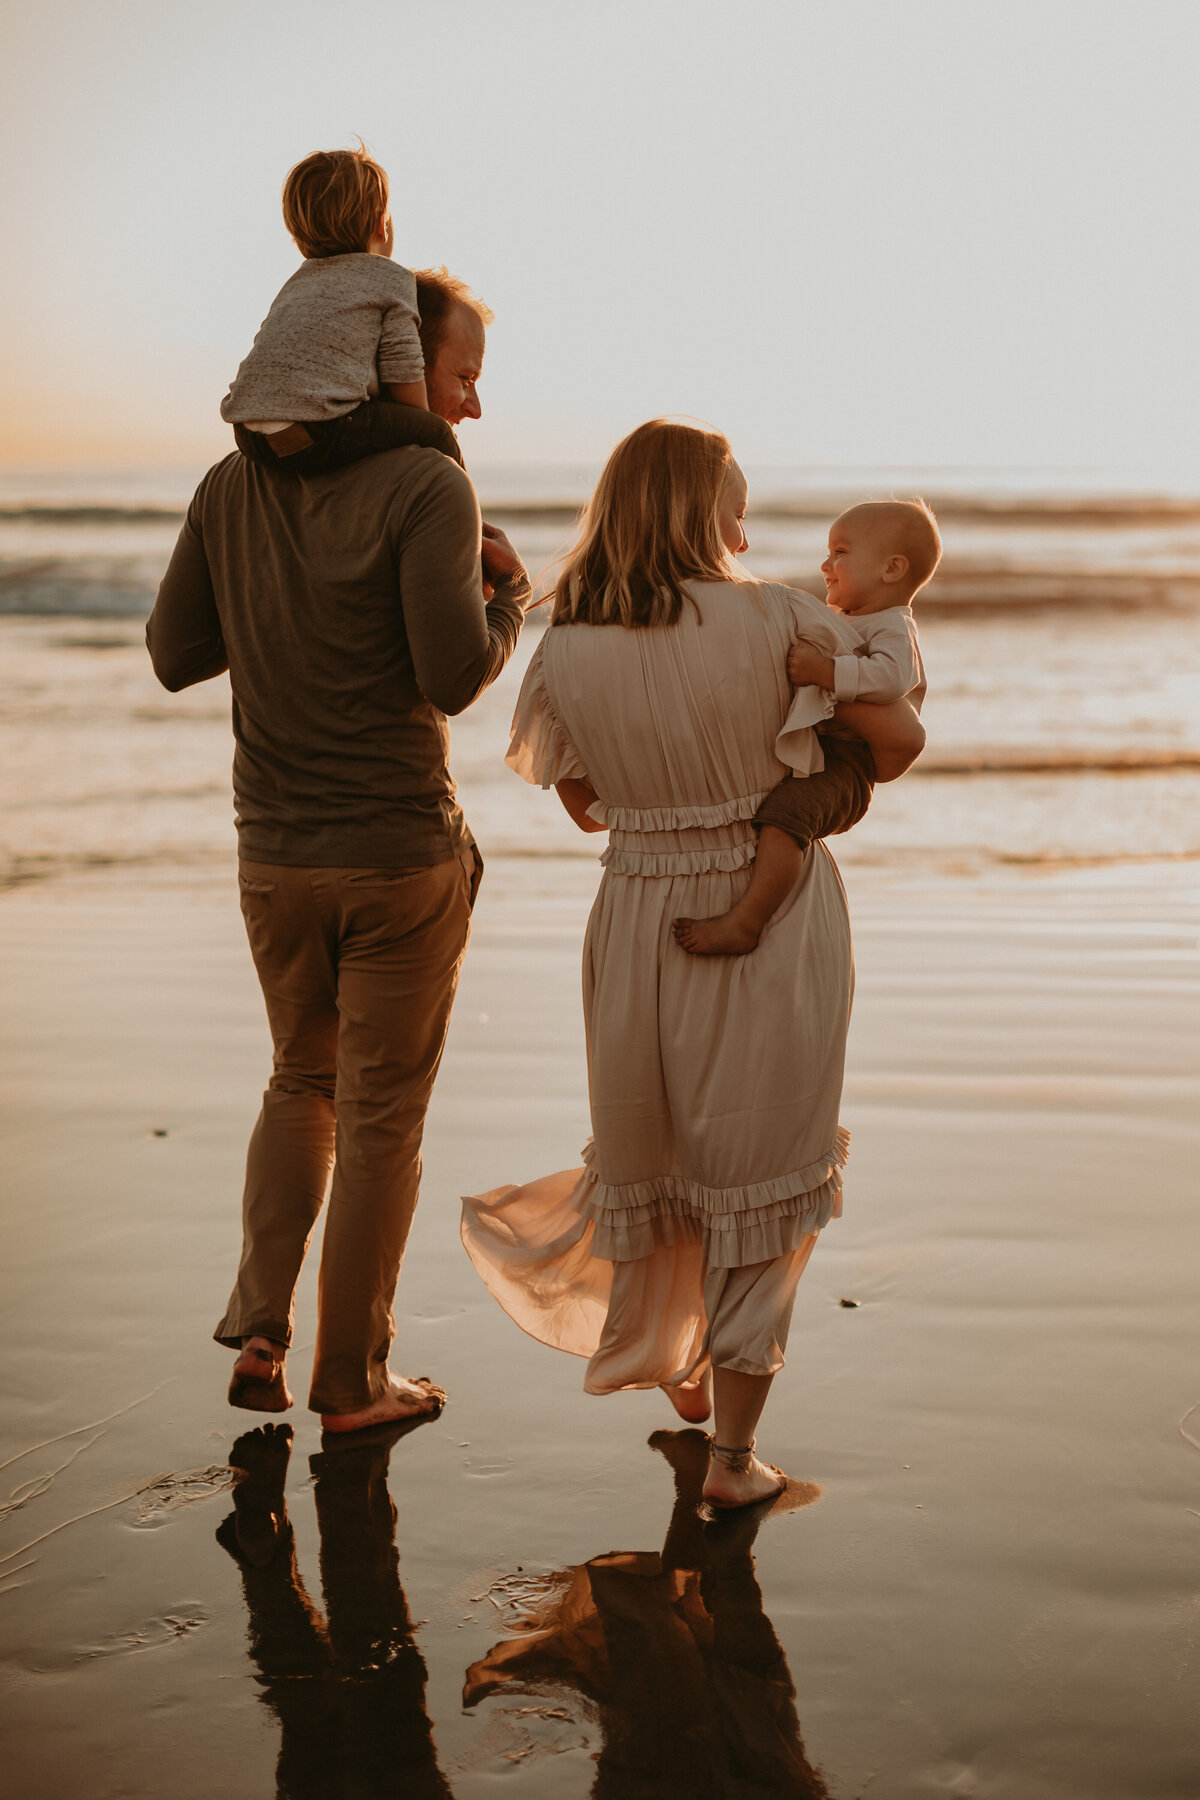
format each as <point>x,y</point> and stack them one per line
<point>880,556</point>
<point>340,332</point>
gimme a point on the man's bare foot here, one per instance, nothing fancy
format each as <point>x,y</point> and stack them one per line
<point>406,1399</point>
<point>735,1479</point>
<point>726,935</point>
<point>692,1401</point>
<point>259,1383</point>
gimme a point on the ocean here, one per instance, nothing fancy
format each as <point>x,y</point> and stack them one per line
<point>1061,638</point>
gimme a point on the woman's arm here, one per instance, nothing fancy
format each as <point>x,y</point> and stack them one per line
<point>893,733</point>
<point>577,796</point>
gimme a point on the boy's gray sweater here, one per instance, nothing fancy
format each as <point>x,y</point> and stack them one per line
<point>338,328</point>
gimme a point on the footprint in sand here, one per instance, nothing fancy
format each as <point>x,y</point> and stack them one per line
<point>185,1487</point>
<point>152,1634</point>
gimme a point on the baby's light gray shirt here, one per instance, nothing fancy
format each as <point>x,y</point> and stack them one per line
<point>337,329</point>
<point>888,666</point>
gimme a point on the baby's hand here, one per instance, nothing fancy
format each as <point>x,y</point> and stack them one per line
<point>807,667</point>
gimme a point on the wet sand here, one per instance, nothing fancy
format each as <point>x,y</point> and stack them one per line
<point>996,1591</point>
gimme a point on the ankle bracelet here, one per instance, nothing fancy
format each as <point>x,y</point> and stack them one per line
<point>736,1459</point>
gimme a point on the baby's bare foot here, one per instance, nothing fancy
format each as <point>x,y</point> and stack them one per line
<point>693,1402</point>
<point>741,1481</point>
<point>405,1399</point>
<point>259,1383</point>
<point>725,935</point>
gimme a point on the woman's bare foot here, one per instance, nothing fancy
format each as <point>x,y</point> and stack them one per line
<point>259,1383</point>
<point>406,1399</point>
<point>739,1479</point>
<point>726,935</point>
<point>693,1400</point>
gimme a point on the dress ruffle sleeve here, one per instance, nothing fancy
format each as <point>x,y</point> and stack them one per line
<point>797,745</point>
<point>540,750</point>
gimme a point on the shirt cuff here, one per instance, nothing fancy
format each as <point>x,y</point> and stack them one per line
<point>513,589</point>
<point>845,677</point>
<point>398,371</point>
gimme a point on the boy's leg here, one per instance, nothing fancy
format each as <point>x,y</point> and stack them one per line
<point>390,425</point>
<point>798,811</point>
<point>825,804</point>
<point>774,874</point>
<point>336,443</point>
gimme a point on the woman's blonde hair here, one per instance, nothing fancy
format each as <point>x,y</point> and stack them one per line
<point>650,526</point>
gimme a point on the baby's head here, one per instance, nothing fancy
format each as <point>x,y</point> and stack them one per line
<point>880,554</point>
<point>336,202</point>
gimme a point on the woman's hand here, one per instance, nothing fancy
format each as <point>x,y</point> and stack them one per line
<point>893,734</point>
<point>577,796</point>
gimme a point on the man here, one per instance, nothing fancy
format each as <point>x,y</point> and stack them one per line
<point>352,612</point>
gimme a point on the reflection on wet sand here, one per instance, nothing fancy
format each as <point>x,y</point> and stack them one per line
<point>675,1653</point>
<point>348,1689</point>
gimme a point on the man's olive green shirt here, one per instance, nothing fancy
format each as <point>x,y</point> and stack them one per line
<point>348,608</point>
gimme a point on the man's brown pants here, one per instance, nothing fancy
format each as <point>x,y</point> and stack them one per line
<point>358,970</point>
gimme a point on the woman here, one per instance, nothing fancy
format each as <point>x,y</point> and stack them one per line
<point>652,705</point>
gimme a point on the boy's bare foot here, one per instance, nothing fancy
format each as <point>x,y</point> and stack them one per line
<point>739,1479</point>
<point>692,1401</point>
<point>725,935</point>
<point>406,1399</point>
<point>259,1383</point>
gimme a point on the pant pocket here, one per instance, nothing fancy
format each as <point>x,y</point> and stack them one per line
<point>472,864</point>
<point>383,878</point>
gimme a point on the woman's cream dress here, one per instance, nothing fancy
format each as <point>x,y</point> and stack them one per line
<point>716,1153</point>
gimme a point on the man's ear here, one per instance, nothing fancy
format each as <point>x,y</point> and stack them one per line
<point>895,568</point>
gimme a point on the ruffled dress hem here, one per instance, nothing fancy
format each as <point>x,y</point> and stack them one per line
<point>677,818</point>
<point>738,1225</point>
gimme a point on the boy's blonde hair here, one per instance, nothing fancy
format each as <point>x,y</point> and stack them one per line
<point>907,526</point>
<point>333,201</point>
<point>650,526</point>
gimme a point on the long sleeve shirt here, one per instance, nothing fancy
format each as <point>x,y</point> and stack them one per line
<point>336,329</point>
<point>888,664</point>
<point>348,609</point>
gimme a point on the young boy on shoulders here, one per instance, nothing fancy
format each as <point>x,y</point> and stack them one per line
<point>336,371</point>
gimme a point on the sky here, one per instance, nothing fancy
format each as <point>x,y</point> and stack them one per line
<point>920,233</point>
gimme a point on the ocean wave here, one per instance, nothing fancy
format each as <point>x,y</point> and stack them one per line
<point>1057,762</point>
<point>961,586</point>
<point>1066,511</point>
<point>95,587</point>
<point>104,556</point>
<point>93,515</point>
<point>86,589</point>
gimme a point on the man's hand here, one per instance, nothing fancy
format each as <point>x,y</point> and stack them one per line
<point>500,560</point>
<point>807,667</point>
